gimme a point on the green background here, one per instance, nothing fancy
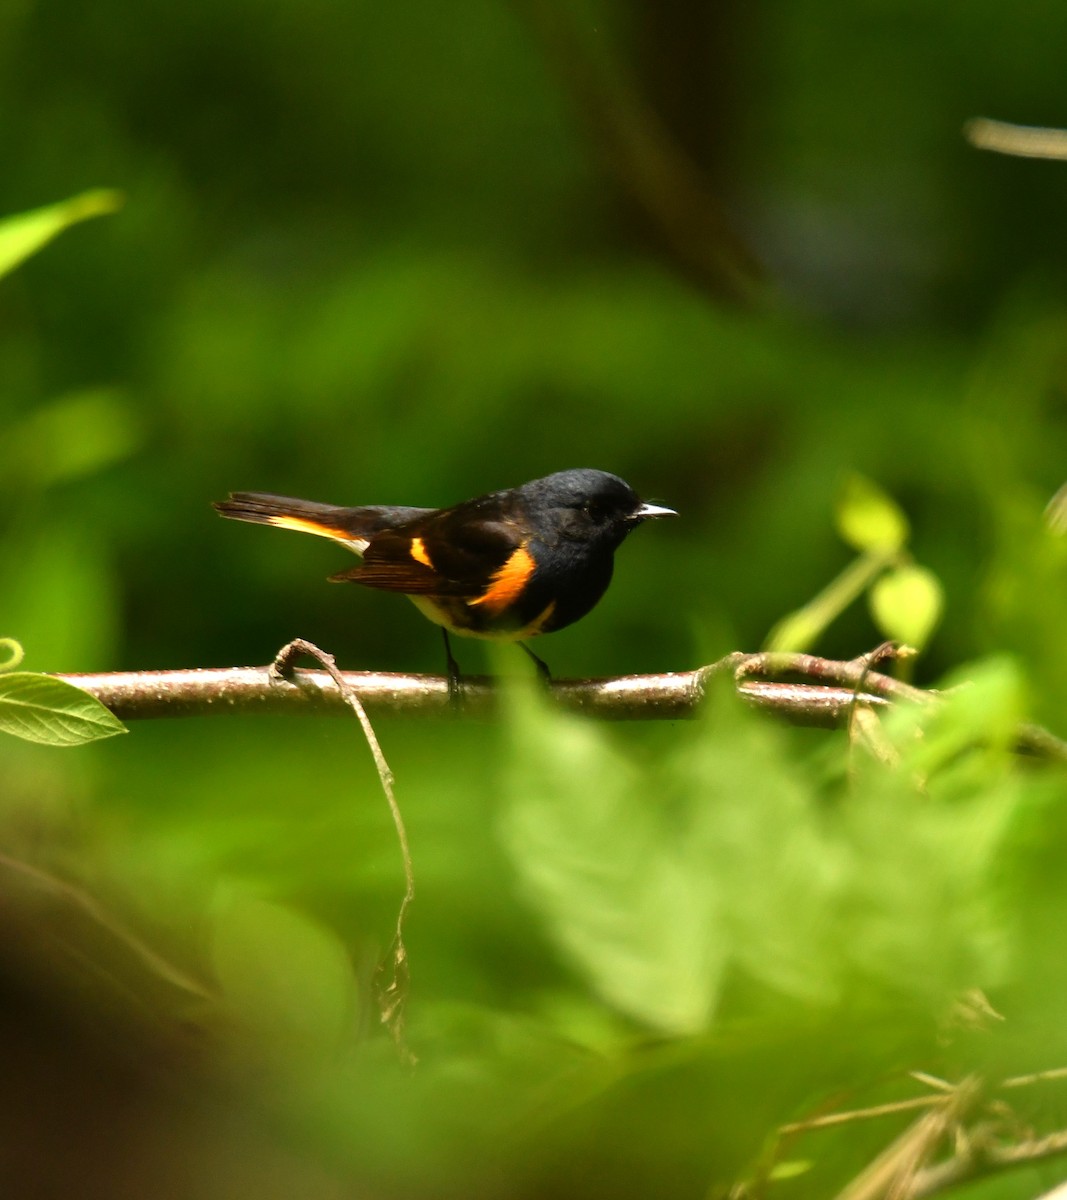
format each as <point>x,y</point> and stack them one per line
<point>388,254</point>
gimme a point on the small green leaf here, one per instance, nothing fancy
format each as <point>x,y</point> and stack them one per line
<point>23,235</point>
<point>42,709</point>
<point>789,1170</point>
<point>867,518</point>
<point>14,654</point>
<point>906,604</point>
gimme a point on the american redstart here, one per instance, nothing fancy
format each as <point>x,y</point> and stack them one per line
<point>508,565</point>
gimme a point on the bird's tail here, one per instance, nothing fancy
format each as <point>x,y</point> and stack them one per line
<point>324,520</point>
<point>353,527</point>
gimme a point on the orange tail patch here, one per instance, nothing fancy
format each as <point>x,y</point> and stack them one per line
<point>304,525</point>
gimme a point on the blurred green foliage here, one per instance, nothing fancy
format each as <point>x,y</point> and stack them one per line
<point>372,255</point>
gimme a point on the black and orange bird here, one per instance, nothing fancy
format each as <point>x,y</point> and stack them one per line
<point>510,565</point>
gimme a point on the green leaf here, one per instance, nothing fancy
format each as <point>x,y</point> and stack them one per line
<point>624,900</point>
<point>666,878</point>
<point>42,709</point>
<point>867,518</point>
<point>658,879</point>
<point>23,235</point>
<point>906,604</point>
<point>286,979</point>
<point>970,734</point>
<point>14,653</point>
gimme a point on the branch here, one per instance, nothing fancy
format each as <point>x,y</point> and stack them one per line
<point>136,695</point>
<point>815,691</point>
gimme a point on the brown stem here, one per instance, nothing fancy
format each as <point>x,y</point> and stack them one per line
<point>392,989</point>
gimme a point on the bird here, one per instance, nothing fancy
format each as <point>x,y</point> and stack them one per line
<point>509,565</point>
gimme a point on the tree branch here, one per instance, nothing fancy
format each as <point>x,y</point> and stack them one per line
<point>137,695</point>
<point>800,688</point>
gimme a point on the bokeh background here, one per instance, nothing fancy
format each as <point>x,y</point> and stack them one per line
<point>376,253</point>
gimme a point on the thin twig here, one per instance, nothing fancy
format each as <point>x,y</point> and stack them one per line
<point>853,673</point>
<point>982,1160</point>
<point>393,991</point>
<point>893,1174</point>
<point>1050,1076</point>
<point>900,1172</point>
<point>876,1110</point>
<point>829,1120</point>
<point>940,1087</point>
<point>931,1081</point>
<point>1020,141</point>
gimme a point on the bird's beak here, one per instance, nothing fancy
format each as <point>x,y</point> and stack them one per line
<point>647,511</point>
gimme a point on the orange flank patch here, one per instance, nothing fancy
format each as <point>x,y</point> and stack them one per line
<point>507,584</point>
<point>418,552</point>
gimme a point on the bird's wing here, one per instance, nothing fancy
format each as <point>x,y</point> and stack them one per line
<point>453,552</point>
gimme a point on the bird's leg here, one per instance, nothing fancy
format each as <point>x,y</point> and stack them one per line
<point>453,670</point>
<point>542,667</point>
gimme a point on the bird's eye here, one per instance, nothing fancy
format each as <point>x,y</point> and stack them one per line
<point>595,510</point>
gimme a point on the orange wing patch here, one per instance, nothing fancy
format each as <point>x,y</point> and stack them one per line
<point>507,584</point>
<point>418,552</point>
